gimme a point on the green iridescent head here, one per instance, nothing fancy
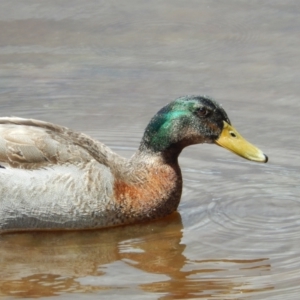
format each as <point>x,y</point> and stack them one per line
<point>185,121</point>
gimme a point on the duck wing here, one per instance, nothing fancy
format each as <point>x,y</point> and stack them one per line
<point>33,144</point>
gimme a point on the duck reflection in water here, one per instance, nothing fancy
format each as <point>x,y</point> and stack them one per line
<point>150,255</point>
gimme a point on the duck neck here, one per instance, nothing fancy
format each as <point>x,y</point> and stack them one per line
<point>159,141</point>
<point>168,155</point>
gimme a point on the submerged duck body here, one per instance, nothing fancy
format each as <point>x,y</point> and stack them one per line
<point>54,178</point>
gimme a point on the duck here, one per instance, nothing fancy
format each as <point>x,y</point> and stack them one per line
<point>54,178</point>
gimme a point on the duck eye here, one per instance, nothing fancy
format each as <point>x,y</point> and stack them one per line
<point>202,111</point>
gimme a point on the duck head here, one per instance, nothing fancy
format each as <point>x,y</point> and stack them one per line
<point>192,120</point>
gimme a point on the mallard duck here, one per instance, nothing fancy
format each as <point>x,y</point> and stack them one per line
<point>53,178</point>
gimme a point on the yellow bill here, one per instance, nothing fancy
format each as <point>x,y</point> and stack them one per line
<point>230,139</point>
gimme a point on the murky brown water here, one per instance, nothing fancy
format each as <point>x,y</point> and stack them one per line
<point>105,68</point>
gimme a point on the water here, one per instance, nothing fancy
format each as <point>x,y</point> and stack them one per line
<point>105,68</point>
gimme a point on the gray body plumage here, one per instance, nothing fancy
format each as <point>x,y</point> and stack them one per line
<point>53,178</point>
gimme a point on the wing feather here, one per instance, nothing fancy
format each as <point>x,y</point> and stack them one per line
<point>32,144</point>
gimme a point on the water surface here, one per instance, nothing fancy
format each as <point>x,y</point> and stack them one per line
<point>105,68</point>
